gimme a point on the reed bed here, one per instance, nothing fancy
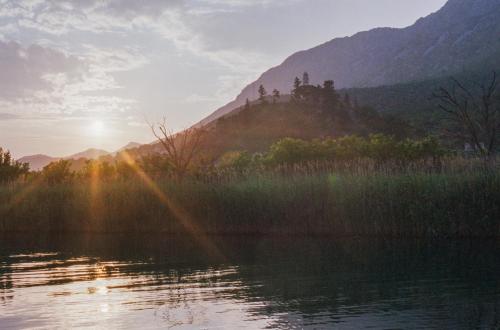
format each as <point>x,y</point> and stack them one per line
<point>455,197</point>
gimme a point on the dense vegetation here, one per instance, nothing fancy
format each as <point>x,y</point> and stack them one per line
<point>313,162</point>
<point>455,198</point>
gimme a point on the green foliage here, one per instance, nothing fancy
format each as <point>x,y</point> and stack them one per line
<point>377,146</point>
<point>290,151</point>
<point>10,169</point>
<point>58,172</point>
<point>238,160</point>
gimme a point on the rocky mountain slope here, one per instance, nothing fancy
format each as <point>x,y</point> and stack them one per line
<point>462,36</point>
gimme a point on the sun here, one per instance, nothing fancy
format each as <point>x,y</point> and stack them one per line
<point>97,128</point>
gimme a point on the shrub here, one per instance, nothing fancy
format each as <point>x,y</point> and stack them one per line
<point>238,160</point>
<point>378,147</point>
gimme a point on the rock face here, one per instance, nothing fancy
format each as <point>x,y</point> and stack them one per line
<point>464,35</point>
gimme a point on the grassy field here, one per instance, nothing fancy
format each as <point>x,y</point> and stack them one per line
<point>457,199</point>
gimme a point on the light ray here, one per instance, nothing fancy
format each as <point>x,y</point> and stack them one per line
<point>179,213</point>
<point>95,200</point>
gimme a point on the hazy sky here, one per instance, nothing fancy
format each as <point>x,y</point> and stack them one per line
<point>89,73</point>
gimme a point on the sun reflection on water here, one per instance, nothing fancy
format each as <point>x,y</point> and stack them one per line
<point>289,289</point>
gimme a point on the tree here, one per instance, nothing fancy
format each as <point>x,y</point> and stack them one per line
<point>328,86</point>
<point>9,168</point>
<point>330,97</point>
<point>476,112</point>
<point>238,160</point>
<point>58,172</point>
<point>102,170</point>
<point>181,148</point>
<point>305,79</point>
<point>296,89</point>
<point>276,95</point>
<point>247,105</point>
<point>262,94</point>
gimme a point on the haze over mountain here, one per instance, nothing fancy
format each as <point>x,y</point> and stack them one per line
<point>462,36</point>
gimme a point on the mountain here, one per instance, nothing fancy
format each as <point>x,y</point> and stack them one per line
<point>130,145</point>
<point>89,154</point>
<point>37,162</point>
<point>462,36</point>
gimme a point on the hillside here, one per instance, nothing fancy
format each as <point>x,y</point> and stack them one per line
<point>414,102</point>
<point>254,128</point>
<point>462,36</point>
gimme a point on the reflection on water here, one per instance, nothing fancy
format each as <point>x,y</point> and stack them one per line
<point>152,282</point>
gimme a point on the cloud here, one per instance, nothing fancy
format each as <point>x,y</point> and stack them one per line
<point>38,79</point>
<point>102,41</point>
<point>61,17</point>
<point>184,23</point>
<point>8,116</point>
<point>24,70</point>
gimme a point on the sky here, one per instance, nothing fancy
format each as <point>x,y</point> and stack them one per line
<point>93,73</point>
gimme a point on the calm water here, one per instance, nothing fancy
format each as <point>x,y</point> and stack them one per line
<point>151,282</point>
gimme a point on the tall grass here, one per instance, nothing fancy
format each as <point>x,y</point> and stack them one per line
<point>458,198</point>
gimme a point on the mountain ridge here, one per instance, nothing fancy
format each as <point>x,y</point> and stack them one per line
<point>461,36</point>
<point>39,161</point>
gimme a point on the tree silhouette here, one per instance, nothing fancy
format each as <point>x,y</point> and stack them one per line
<point>305,79</point>
<point>296,89</point>
<point>262,94</point>
<point>9,168</point>
<point>276,95</point>
<point>330,97</point>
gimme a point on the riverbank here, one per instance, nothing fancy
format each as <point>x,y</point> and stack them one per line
<point>389,205</point>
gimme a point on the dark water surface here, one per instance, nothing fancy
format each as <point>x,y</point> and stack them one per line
<point>149,282</point>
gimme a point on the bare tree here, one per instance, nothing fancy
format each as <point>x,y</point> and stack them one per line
<point>180,148</point>
<point>477,114</point>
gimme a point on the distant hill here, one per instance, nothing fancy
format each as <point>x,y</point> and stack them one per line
<point>130,145</point>
<point>462,36</point>
<point>38,162</point>
<point>89,154</point>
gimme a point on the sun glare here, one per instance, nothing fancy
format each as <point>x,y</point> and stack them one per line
<point>97,128</point>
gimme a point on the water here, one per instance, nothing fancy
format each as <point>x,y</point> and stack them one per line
<point>163,282</point>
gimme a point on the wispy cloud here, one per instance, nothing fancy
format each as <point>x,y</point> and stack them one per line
<point>38,79</point>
